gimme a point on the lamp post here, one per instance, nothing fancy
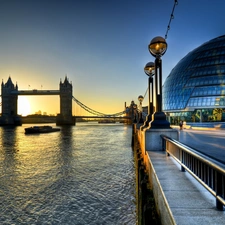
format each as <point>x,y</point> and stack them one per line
<point>157,48</point>
<point>140,99</point>
<point>149,70</point>
<point>134,122</point>
<point>134,113</point>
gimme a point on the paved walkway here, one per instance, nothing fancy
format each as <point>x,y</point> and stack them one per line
<point>189,202</point>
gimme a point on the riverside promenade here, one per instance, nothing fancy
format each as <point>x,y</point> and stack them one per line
<point>179,198</point>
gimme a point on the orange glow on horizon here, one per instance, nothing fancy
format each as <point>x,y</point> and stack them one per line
<point>24,108</point>
<point>44,105</point>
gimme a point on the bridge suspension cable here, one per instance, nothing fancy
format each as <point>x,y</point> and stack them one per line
<point>94,112</point>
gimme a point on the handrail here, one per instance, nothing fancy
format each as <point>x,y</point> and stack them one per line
<point>208,172</point>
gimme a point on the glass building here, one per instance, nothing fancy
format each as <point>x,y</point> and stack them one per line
<point>194,91</point>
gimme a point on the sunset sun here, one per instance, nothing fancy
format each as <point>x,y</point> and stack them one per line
<point>23,106</point>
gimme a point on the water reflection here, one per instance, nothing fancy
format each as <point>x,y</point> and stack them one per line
<point>8,137</point>
<point>80,175</point>
<point>8,149</point>
<point>65,156</point>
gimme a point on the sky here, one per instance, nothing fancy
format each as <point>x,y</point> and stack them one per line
<point>100,45</point>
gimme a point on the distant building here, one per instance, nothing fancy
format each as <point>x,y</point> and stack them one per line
<point>194,91</point>
<point>38,112</point>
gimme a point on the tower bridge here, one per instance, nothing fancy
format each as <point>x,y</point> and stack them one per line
<point>10,93</point>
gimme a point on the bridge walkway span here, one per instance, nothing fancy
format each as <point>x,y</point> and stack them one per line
<point>36,92</point>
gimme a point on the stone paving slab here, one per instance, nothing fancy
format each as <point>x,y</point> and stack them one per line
<point>190,203</point>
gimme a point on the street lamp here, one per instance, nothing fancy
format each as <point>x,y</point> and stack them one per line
<point>149,70</point>
<point>134,108</point>
<point>157,48</point>
<point>140,99</point>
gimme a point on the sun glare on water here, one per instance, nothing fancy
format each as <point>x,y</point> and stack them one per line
<point>23,106</point>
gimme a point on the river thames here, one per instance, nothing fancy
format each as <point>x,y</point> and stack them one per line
<point>83,174</point>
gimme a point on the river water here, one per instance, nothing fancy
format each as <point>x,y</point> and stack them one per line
<point>82,175</point>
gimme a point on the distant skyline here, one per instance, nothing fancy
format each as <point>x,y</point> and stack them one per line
<point>101,45</point>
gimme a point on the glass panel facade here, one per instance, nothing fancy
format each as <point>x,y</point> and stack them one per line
<point>204,115</point>
<point>209,91</point>
<point>207,80</point>
<point>206,102</point>
<point>197,82</point>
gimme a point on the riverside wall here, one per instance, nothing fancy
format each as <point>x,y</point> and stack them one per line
<point>146,209</point>
<point>158,213</point>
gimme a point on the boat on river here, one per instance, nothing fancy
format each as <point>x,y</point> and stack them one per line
<point>40,129</point>
<point>106,121</point>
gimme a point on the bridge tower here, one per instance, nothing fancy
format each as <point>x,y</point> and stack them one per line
<point>9,103</point>
<point>65,117</point>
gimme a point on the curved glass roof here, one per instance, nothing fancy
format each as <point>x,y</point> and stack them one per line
<point>198,80</point>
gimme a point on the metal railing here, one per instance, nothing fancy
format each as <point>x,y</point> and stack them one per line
<point>208,172</point>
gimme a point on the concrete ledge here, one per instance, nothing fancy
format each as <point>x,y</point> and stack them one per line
<point>160,199</point>
<point>180,199</point>
<point>153,141</point>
